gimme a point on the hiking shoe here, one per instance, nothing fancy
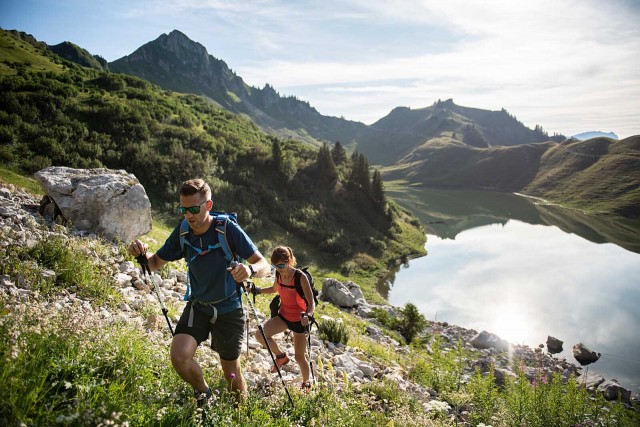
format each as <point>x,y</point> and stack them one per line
<point>305,386</point>
<point>281,360</point>
<point>202,397</point>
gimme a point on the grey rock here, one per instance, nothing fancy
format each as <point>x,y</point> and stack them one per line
<point>554,345</point>
<point>611,390</point>
<point>584,355</point>
<point>487,340</point>
<point>591,379</point>
<point>107,202</point>
<point>337,293</point>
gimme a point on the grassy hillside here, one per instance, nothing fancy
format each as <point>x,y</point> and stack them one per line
<point>18,53</point>
<point>599,174</point>
<point>79,55</point>
<point>445,164</point>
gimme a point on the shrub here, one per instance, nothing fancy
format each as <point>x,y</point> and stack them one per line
<point>411,322</point>
<point>384,317</point>
<point>334,331</point>
<point>75,270</point>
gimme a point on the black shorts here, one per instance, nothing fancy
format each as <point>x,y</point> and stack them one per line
<point>294,326</point>
<point>226,333</point>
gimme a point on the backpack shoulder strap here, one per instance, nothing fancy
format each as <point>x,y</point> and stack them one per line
<point>298,283</point>
<point>184,231</point>
<point>282,284</point>
<point>221,221</point>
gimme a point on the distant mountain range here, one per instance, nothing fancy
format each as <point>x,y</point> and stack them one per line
<point>404,134</point>
<point>443,145</point>
<point>175,62</point>
<point>594,134</point>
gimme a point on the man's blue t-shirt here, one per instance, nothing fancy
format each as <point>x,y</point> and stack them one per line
<point>208,275</point>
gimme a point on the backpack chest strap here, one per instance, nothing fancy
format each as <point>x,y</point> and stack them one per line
<point>201,251</point>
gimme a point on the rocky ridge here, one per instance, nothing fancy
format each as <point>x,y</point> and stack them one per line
<point>21,224</point>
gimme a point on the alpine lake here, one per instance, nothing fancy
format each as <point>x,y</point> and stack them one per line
<point>524,269</point>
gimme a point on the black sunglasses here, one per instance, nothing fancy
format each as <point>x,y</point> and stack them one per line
<point>283,265</point>
<point>193,209</point>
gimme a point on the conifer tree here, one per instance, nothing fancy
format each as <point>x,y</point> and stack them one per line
<point>339,154</point>
<point>283,162</point>
<point>411,322</point>
<point>363,174</point>
<point>359,176</point>
<point>325,164</point>
<point>276,154</point>
<point>377,190</point>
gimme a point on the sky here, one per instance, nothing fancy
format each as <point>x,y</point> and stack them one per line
<point>570,66</point>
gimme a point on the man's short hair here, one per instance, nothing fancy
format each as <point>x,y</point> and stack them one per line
<point>193,186</point>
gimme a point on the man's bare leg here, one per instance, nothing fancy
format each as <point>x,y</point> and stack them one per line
<point>234,377</point>
<point>183,349</point>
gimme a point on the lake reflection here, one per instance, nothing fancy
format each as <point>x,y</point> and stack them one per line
<point>524,281</point>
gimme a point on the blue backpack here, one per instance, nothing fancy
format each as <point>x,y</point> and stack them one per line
<point>220,220</point>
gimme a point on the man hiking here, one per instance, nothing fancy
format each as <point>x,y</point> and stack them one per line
<point>214,305</point>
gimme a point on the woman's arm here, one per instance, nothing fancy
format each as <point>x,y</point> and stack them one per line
<point>270,290</point>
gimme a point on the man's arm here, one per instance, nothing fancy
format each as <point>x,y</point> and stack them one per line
<point>260,265</point>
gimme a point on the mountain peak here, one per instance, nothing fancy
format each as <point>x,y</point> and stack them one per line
<point>444,104</point>
<point>178,34</point>
<point>175,62</point>
<point>182,46</point>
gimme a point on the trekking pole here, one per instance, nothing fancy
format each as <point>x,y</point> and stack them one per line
<point>146,273</point>
<point>307,332</point>
<point>247,334</point>
<point>264,336</point>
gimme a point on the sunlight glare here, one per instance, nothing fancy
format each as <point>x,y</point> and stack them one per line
<point>511,323</point>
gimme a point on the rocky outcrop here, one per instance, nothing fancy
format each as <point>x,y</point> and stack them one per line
<point>111,203</point>
<point>611,390</point>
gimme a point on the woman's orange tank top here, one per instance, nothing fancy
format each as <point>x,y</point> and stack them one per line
<point>291,303</point>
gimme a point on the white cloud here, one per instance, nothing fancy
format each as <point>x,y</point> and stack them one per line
<point>528,57</point>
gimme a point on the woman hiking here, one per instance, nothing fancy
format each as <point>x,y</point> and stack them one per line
<point>295,312</point>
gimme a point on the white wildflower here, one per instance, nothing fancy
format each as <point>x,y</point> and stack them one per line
<point>161,413</point>
<point>437,406</point>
